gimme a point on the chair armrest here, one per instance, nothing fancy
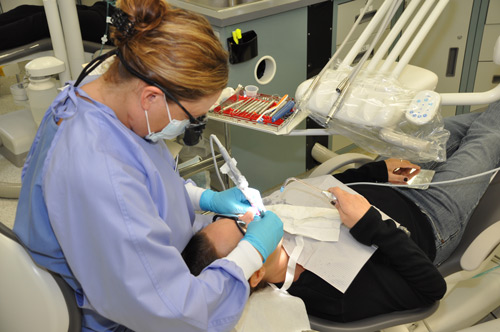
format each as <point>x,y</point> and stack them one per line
<point>481,247</point>
<point>341,160</point>
<point>9,190</point>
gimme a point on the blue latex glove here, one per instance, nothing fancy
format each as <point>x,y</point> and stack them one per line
<point>265,233</point>
<point>230,201</point>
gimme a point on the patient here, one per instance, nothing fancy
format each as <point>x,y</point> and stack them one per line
<point>398,276</point>
<point>401,274</point>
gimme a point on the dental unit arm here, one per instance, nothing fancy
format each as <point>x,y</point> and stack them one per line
<point>385,106</point>
<point>370,102</point>
<point>229,168</point>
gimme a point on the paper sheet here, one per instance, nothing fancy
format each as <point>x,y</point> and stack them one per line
<point>274,311</point>
<point>339,262</point>
<point>322,224</point>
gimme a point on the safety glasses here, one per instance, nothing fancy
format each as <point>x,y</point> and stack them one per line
<point>242,226</point>
<point>194,130</point>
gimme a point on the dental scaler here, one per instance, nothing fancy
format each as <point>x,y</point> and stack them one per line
<point>330,196</point>
<point>229,168</point>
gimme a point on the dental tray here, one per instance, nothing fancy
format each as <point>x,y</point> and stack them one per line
<point>250,112</point>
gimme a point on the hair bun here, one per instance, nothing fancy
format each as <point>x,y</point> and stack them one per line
<point>121,21</point>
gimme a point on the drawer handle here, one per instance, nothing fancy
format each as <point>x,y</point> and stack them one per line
<point>451,67</point>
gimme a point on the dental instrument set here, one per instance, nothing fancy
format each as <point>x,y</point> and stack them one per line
<point>268,113</point>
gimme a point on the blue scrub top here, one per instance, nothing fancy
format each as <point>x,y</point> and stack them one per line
<point>107,210</point>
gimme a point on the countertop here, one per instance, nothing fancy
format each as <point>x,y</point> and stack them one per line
<point>244,12</point>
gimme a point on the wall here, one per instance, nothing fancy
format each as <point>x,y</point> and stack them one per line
<point>266,159</point>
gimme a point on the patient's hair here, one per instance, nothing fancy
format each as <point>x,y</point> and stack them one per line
<point>199,253</point>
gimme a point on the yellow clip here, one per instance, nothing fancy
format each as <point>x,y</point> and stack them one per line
<point>1,71</point>
<point>237,36</point>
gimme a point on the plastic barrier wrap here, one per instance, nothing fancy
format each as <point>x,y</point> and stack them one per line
<point>377,114</point>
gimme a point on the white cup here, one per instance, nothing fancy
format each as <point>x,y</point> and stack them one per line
<point>18,92</point>
<point>251,90</point>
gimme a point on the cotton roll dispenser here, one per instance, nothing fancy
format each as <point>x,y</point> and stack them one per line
<point>42,87</point>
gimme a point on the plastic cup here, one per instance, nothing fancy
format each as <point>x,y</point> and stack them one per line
<point>251,90</point>
<point>19,93</point>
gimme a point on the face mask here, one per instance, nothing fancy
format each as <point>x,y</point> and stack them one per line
<point>172,130</point>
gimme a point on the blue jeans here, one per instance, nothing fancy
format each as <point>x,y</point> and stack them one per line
<point>473,147</point>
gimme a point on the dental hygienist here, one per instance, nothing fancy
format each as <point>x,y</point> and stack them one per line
<point>101,202</point>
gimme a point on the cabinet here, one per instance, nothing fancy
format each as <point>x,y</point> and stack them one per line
<point>471,28</point>
<point>487,74</point>
<point>444,49</point>
<point>266,160</point>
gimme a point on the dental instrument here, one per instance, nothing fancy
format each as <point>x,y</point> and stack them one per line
<point>307,95</point>
<point>330,196</point>
<point>233,105</point>
<point>345,84</point>
<point>229,168</point>
<point>283,111</point>
<point>280,103</point>
<point>264,107</point>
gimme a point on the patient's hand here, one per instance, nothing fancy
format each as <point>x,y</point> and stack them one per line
<point>401,171</point>
<point>351,207</point>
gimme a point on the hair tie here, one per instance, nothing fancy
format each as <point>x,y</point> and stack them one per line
<point>120,20</point>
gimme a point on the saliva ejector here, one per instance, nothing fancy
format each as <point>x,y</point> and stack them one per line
<point>229,168</point>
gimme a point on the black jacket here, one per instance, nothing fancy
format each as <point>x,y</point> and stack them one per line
<point>400,275</point>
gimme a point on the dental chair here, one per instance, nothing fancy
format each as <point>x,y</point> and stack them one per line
<point>481,237</point>
<point>32,298</point>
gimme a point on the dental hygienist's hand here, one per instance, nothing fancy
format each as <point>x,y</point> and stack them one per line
<point>230,201</point>
<point>351,207</point>
<point>401,171</point>
<point>255,199</point>
<point>265,233</point>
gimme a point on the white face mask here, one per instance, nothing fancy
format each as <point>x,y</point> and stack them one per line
<point>172,130</point>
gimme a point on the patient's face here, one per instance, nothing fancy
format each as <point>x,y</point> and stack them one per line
<point>225,235</point>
